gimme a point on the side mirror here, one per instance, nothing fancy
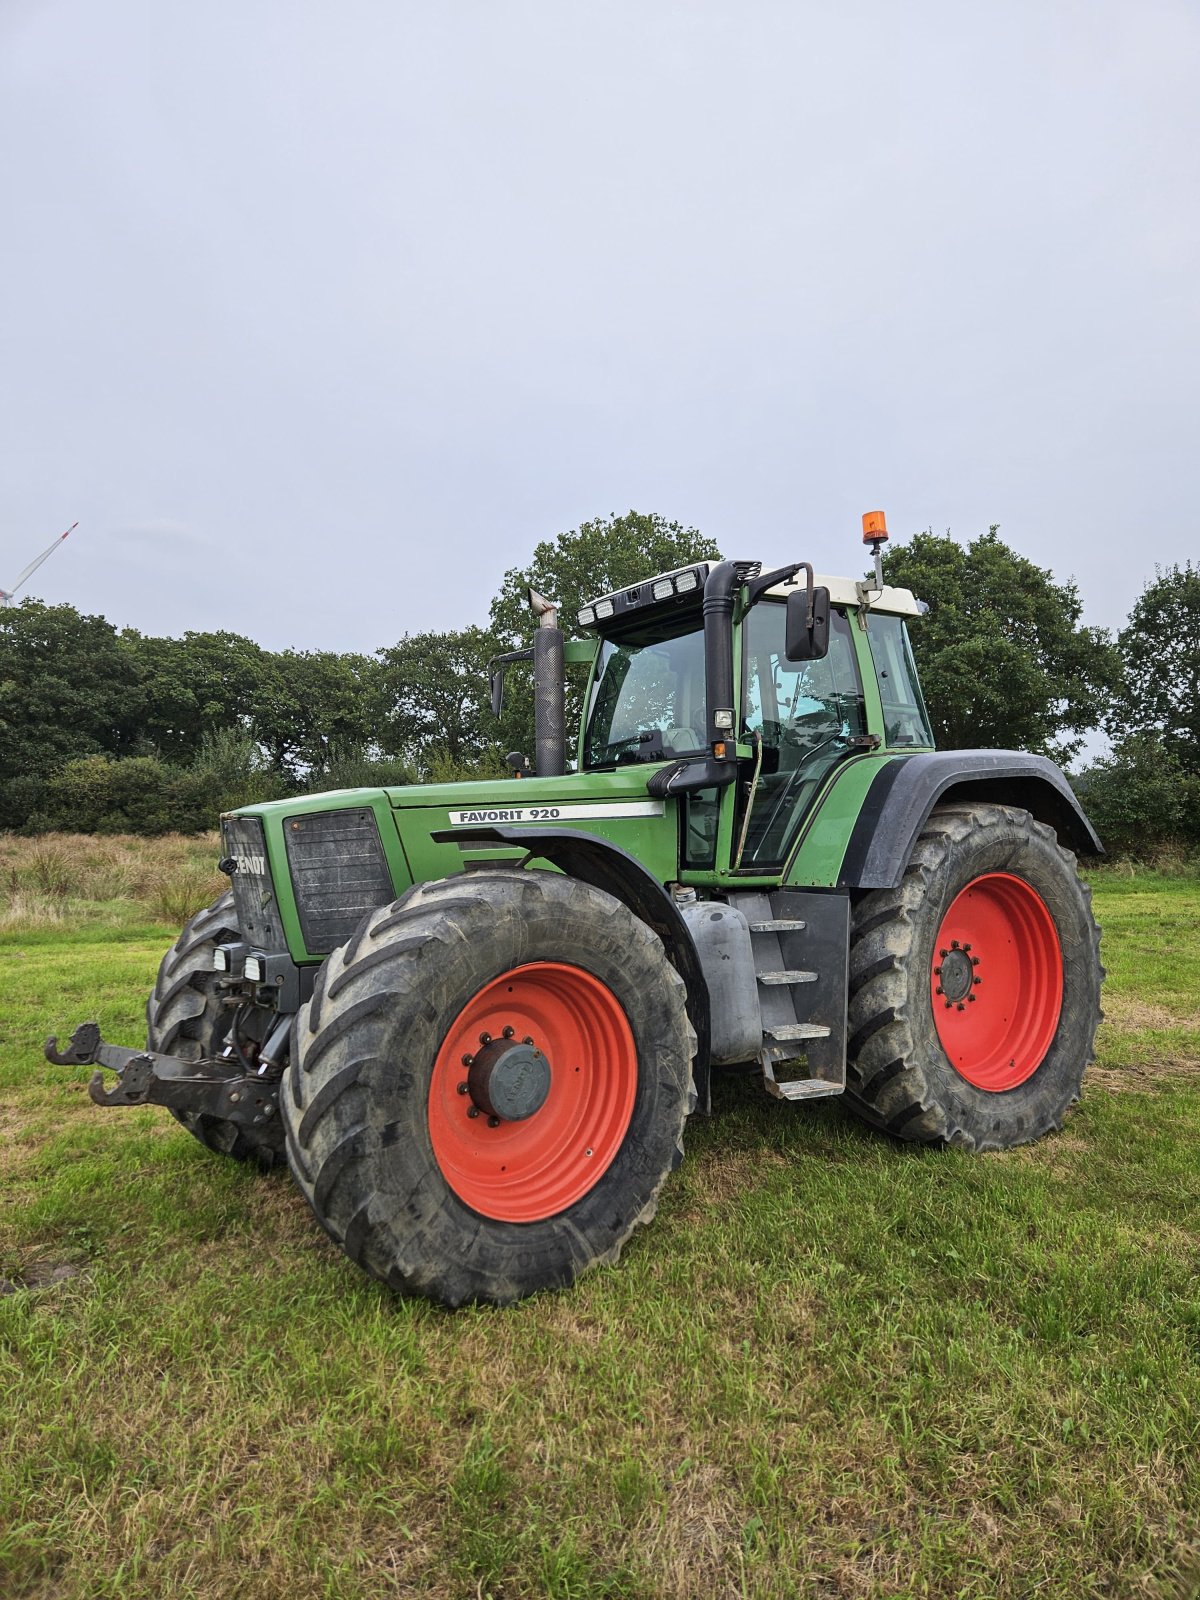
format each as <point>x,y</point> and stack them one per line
<point>807,636</point>
<point>496,684</point>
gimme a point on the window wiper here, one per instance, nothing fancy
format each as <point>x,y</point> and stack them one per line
<point>652,736</point>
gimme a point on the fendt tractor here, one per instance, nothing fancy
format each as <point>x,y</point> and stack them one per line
<point>474,1018</point>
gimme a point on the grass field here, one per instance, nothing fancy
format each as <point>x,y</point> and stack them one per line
<point>834,1367</point>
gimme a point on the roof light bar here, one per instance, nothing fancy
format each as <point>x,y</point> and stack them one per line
<point>666,587</point>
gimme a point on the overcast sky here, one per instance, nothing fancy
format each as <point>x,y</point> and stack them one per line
<point>318,317</point>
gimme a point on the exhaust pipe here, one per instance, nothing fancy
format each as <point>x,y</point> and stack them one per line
<point>549,691</point>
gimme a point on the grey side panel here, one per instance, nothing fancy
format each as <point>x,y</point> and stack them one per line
<point>721,935</point>
<point>903,794</point>
<point>339,873</point>
<point>253,891</point>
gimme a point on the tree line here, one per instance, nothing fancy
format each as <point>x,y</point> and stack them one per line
<point>107,730</point>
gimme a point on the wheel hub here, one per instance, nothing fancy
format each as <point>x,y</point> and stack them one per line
<point>955,975</point>
<point>509,1079</point>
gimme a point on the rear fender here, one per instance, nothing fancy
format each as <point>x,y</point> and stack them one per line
<point>898,804</point>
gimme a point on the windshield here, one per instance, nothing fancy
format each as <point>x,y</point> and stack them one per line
<point>647,700</point>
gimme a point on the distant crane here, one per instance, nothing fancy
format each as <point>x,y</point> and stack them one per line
<point>6,595</point>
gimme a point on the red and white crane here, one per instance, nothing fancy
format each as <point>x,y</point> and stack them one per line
<point>6,595</point>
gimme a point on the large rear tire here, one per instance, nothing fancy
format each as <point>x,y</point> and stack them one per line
<point>974,985</point>
<point>185,1017</point>
<point>489,1085</point>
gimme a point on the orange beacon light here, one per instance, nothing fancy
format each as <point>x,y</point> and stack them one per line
<point>874,527</point>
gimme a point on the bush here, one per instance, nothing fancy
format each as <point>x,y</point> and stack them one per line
<point>1140,801</point>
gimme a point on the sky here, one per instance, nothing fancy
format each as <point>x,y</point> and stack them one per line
<point>319,317</point>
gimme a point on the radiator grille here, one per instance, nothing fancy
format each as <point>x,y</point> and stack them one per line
<point>339,873</point>
<point>253,891</point>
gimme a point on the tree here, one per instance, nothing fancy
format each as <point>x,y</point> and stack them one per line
<point>311,703</point>
<point>194,686</point>
<point>432,698</point>
<point>596,558</point>
<point>66,688</point>
<point>1003,657</point>
<point>1159,692</point>
<point>1140,799</point>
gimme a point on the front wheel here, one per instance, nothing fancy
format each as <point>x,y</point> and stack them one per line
<point>975,985</point>
<point>185,1018</point>
<point>489,1085</point>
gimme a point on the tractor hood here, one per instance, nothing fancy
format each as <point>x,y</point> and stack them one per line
<point>613,805</point>
<point>322,860</point>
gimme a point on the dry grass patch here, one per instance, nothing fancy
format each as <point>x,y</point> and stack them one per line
<point>47,880</point>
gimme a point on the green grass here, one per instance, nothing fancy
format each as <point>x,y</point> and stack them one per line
<point>833,1367</point>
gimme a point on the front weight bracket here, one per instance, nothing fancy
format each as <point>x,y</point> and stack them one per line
<point>212,1087</point>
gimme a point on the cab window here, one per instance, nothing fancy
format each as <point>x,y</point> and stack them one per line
<point>905,721</point>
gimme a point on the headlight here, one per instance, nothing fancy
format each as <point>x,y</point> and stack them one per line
<point>253,969</point>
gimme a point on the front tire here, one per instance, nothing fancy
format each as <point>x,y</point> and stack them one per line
<point>185,1017</point>
<point>489,1085</point>
<point>974,985</point>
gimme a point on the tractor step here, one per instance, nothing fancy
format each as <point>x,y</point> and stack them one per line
<point>800,942</point>
<point>801,1088</point>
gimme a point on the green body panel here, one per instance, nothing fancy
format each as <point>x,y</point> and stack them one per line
<point>408,817</point>
<point>826,834</point>
<point>423,810</point>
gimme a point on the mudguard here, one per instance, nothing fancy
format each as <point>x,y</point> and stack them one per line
<point>898,804</point>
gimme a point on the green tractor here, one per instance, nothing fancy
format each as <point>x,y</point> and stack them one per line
<point>474,1018</point>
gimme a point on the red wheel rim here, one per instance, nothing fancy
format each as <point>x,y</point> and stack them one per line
<point>527,1170</point>
<point>997,981</point>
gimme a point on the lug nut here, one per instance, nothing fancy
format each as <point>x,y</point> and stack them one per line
<point>974,961</point>
<point>937,972</point>
<point>961,1007</point>
<point>528,1039</point>
<point>493,1122</point>
<point>966,947</point>
<point>976,981</point>
<point>949,1003</point>
<point>508,1032</point>
<point>943,954</point>
<point>485,1038</point>
<point>939,989</point>
<point>468,1061</point>
<point>464,1088</point>
<point>472,1111</point>
<point>971,998</point>
<point>954,944</point>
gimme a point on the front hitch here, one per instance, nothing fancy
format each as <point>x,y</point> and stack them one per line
<point>210,1087</point>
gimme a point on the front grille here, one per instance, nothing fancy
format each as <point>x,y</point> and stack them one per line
<point>339,873</point>
<point>253,891</point>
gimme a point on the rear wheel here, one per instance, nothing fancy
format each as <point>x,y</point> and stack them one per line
<point>489,1085</point>
<point>975,985</point>
<point>185,1017</point>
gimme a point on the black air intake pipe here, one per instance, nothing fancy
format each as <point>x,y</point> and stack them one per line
<point>720,591</point>
<point>714,771</point>
<point>549,691</point>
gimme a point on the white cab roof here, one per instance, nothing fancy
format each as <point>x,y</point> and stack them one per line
<point>844,592</point>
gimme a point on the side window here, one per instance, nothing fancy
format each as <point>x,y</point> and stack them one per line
<point>904,718</point>
<point>803,712</point>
